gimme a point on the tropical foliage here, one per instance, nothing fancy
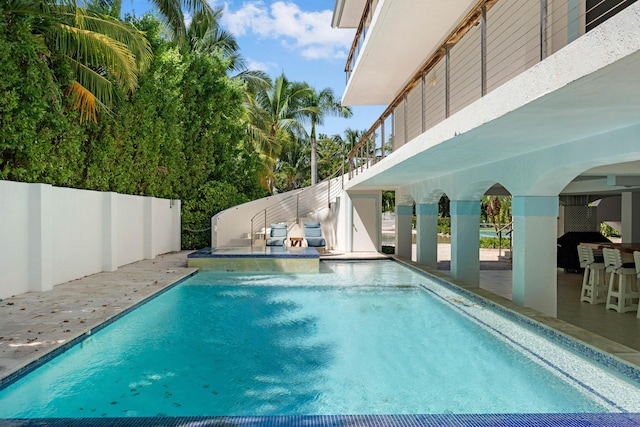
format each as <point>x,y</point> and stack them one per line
<point>174,116</point>
<point>320,104</point>
<point>101,52</point>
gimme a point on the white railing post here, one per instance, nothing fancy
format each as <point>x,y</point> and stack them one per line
<point>543,28</point>
<point>447,81</point>
<point>483,50</point>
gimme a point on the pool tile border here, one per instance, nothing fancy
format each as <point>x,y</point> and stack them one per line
<point>427,420</point>
<point>276,252</point>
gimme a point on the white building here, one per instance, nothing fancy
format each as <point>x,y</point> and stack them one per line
<point>538,99</point>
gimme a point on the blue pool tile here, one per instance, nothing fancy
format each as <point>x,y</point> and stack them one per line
<point>431,420</point>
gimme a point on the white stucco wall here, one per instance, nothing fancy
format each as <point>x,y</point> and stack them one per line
<point>130,229</point>
<point>164,237</point>
<point>14,242</point>
<point>228,226</point>
<point>76,221</point>
<point>51,235</point>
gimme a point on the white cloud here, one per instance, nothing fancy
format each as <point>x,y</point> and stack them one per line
<point>260,66</point>
<point>309,33</point>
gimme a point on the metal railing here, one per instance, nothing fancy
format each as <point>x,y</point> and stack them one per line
<point>299,204</point>
<point>360,36</point>
<point>495,42</point>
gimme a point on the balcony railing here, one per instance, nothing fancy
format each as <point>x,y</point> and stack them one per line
<point>361,34</point>
<point>496,41</point>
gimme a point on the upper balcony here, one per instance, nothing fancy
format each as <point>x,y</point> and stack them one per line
<point>392,40</point>
<point>490,43</point>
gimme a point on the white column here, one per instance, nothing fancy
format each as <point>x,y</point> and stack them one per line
<point>40,237</point>
<point>630,217</point>
<point>465,240</point>
<point>149,249</point>
<point>109,231</point>
<point>535,224</point>
<point>404,227</point>
<point>427,234</point>
<point>176,225</point>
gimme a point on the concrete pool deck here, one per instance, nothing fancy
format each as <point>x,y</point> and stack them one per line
<point>35,323</point>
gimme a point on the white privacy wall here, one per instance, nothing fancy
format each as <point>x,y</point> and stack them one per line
<point>130,222</point>
<point>51,235</point>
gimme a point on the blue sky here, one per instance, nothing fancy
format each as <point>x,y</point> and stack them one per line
<point>294,37</point>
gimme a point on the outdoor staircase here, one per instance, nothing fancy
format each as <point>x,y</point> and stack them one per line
<point>248,224</point>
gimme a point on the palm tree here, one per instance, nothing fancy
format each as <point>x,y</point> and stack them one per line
<point>101,50</point>
<point>206,36</point>
<point>172,11</point>
<point>331,154</point>
<point>292,167</point>
<point>351,139</point>
<point>319,105</point>
<point>275,116</point>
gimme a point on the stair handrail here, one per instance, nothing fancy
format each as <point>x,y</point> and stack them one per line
<point>302,198</point>
<point>499,233</point>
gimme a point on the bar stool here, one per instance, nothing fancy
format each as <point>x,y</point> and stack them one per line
<point>626,290</point>
<point>636,258</point>
<point>594,287</point>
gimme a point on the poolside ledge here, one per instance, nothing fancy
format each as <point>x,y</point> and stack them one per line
<point>275,259</point>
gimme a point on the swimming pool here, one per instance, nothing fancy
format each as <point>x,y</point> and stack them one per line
<point>390,342</point>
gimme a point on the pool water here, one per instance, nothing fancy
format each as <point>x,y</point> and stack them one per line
<point>359,338</point>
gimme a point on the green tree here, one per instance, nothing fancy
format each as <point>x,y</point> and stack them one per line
<point>101,51</point>
<point>293,165</point>
<point>318,106</point>
<point>274,116</point>
<point>351,139</point>
<point>331,155</point>
<point>40,139</point>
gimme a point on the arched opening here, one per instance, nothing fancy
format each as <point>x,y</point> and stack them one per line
<point>444,232</point>
<point>388,236</point>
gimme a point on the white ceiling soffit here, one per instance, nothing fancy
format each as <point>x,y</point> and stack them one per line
<point>347,13</point>
<point>402,35</point>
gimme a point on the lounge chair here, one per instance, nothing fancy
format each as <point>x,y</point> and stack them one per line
<point>278,235</point>
<point>313,235</point>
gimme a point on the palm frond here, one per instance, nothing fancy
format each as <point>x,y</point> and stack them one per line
<point>122,32</point>
<point>171,10</point>
<point>96,46</point>
<point>255,80</point>
<point>99,86</point>
<point>99,51</point>
<point>85,101</point>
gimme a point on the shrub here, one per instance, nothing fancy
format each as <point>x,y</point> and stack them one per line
<point>444,225</point>
<point>493,243</point>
